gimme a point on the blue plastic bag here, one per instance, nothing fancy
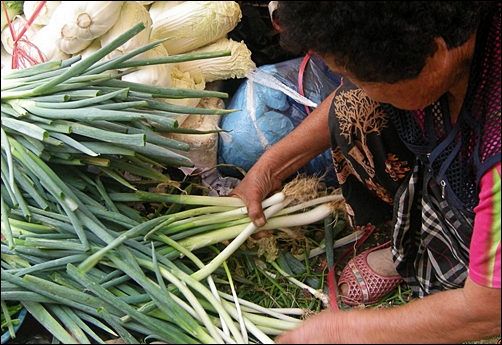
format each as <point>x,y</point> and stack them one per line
<point>266,115</point>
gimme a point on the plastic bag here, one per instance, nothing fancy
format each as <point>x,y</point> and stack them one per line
<point>268,114</point>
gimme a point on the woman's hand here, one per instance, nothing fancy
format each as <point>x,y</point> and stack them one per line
<point>254,188</point>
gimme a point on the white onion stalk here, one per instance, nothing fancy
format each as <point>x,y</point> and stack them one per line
<point>176,276</point>
<point>278,313</point>
<point>200,264</point>
<point>229,233</point>
<point>131,13</point>
<point>262,337</point>
<point>177,222</point>
<point>224,335</point>
<point>180,222</point>
<point>45,13</point>
<point>191,298</point>
<point>297,190</point>
<point>319,294</point>
<point>237,305</point>
<point>352,237</point>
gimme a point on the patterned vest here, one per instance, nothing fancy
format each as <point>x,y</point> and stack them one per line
<point>433,212</point>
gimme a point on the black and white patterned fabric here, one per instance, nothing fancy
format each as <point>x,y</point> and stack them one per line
<point>430,238</point>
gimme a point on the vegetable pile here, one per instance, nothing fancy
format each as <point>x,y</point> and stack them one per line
<point>87,247</point>
<point>41,31</point>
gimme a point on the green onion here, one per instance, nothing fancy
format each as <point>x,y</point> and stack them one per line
<point>85,241</point>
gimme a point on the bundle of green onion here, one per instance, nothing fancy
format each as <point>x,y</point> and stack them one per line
<point>76,252</point>
<point>134,278</point>
<point>76,113</point>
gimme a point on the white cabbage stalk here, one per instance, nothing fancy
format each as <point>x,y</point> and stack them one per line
<point>45,13</point>
<point>237,65</point>
<point>159,7</point>
<point>194,24</point>
<point>185,80</point>
<point>17,25</point>
<point>131,13</point>
<point>80,22</point>
<point>44,40</point>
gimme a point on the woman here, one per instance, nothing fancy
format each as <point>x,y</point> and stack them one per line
<point>415,136</point>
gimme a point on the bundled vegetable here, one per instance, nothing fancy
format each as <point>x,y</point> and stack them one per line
<point>69,112</point>
<point>140,278</point>
<point>75,251</point>
<point>80,22</point>
<point>193,24</point>
<point>237,65</point>
<point>57,117</point>
<point>131,12</point>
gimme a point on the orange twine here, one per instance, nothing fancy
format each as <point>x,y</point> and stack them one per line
<point>24,52</point>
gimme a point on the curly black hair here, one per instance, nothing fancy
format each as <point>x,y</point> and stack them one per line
<point>378,41</point>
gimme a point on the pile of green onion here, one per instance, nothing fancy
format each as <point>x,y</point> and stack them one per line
<point>76,251</point>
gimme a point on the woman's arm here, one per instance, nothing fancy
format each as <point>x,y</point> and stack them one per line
<point>299,147</point>
<point>454,316</point>
<point>485,252</point>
